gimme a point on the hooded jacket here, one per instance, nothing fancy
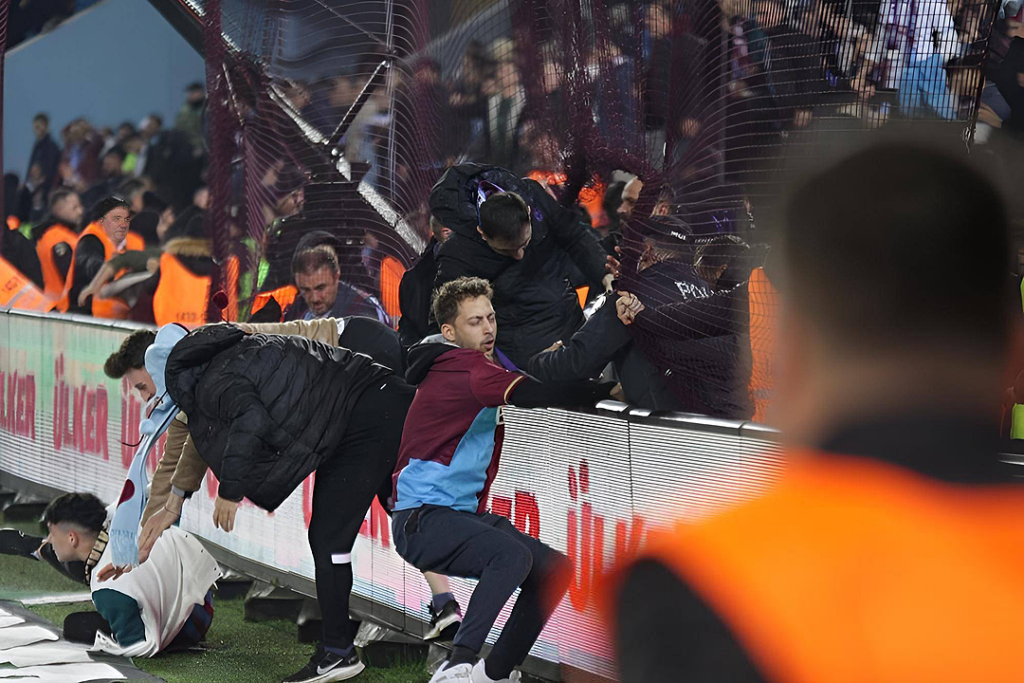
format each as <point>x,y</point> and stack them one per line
<point>534,302</point>
<point>264,410</point>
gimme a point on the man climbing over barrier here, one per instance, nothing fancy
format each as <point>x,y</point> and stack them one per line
<point>451,446</point>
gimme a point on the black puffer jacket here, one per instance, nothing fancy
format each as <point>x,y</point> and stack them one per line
<point>533,301</point>
<point>265,410</point>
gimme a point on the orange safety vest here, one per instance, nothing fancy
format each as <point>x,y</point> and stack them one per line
<point>17,291</point>
<point>102,308</point>
<point>763,302</point>
<point>853,570</point>
<point>284,296</point>
<point>53,282</point>
<point>391,272</point>
<point>181,296</point>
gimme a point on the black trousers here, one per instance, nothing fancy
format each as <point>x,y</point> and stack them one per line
<point>489,548</point>
<point>344,489</point>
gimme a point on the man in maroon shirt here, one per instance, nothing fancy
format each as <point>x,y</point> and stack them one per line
<point>449,456</point>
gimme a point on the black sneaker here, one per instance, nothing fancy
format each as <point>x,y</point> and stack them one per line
<point>444,624</point>
<point>326,666</point>
<point>13,542</point>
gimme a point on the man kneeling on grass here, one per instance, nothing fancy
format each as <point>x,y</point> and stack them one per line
<point>163,604</point>
<point>449,456</point>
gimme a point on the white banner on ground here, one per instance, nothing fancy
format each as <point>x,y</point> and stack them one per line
<point>590,485</point>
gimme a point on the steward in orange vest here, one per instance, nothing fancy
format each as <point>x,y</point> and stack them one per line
<point>183,291</point>
<point>55,239</point>
<point>892,549</point>
<point>101,240</point>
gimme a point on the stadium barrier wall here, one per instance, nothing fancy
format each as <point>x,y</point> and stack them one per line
<point>592,484</point>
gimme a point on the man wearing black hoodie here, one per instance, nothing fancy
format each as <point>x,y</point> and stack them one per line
<point>511,232</point>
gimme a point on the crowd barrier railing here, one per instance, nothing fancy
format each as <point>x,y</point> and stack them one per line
<point>592,484</point>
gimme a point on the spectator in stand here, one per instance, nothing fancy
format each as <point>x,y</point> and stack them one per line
<point>110,177</point>
<point>56,237</point>
<point>190,117</point>
<point>417,287</point>
<point>1009,78</point>
<point>449,456</point>
<point>45,152</point>
<point>31,198</point>
<point>104,237</point>
<point>921,36</point>
<point>322,292</point>
<point>469,105</point>
<point>504,107</point>
<point>79,162</point>
<point>657,44</point>
<point>168,160</point>
<point>789,63</point>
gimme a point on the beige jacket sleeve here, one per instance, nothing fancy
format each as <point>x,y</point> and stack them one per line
<point>179,466</point>
<point>322,329</point>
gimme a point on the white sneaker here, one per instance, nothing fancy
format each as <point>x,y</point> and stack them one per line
<point>460,673</point>
<point>480,675</point>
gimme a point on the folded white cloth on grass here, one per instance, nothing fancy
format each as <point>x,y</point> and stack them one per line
<point>16,636</point>
<point>38,654</point>
<point>6,621</point>
<point>63,673</point>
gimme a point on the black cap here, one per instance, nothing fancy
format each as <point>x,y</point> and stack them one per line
<point>105,206</point>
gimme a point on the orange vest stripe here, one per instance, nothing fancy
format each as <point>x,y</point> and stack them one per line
<point>17,291</point>
<point>53,282</point>
<point>391,272</point>
<point>180,296</point>
<point>852,570</point>
<point>284,296</point>
<point>763,303</point>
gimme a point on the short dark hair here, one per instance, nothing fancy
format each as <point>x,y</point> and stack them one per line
<point>41,117</point>
<point>502,217</point>
<point>106,205</point>
<point>449,295</point>
<point>131,354</point>
<point>311,259</point>
<point>922,260</point>
<point>81,509</point>
<point>59,196</point>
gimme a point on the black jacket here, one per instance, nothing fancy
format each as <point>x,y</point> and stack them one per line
<point>533,301</point>
<point>265,410</point>
<point>414,294</point>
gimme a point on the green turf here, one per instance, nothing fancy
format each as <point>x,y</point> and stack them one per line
<point>241,651</point>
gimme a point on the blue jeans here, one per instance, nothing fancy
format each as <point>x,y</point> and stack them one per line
<point>923,89</point>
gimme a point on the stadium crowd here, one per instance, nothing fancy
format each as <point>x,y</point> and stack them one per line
<point>517,300</point>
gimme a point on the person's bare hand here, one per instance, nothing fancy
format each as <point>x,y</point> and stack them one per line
<point>627,307</point>
<point>85,294</point>
<point>112,572</point>
<point>690,127</point>
<point>802,118</point>
<point>554,347</point>
<point>224,514</point>
<point>151,530</point>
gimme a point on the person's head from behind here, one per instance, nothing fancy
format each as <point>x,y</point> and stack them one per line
<point>462,308</point>
<point>316,274</point>
<point>113,215</point>
<point>440,232</point>
<point>41,125</point>
<point>132,191</point>
<point>66,207</point>
<point>899,306</point>
<point>129,361</point>
<point>505,224</point>
<point>74,521</point>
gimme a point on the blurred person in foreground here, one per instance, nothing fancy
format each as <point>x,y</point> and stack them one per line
<point>891,548</point>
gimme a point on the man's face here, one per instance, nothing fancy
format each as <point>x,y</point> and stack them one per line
<point>515,249</point>
<point>69,209</point>
<point>319,289</point>
<point>630,194</point>
<point>141,381</point>
<point>475,327</point>
<point>40,128</point>
<point>115,224</point>
<point>112,164</point>
<point>65,541</point>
